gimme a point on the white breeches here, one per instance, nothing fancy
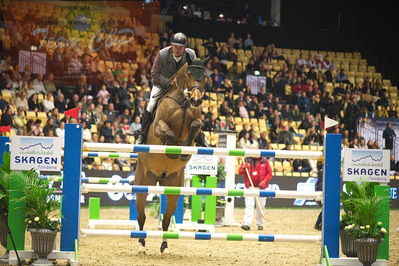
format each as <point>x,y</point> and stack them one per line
<point>153,101</point>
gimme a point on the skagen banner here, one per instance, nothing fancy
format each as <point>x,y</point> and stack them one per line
<point>366,165</point>
<point>277,183</point>
<point>40,153</point>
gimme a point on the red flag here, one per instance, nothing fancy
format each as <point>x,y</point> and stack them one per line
<point>5,128</point>
<point>74,112</point>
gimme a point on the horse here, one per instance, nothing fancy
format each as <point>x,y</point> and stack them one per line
<point>177,121</point>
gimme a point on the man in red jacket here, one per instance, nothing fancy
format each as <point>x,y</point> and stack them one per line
<point>260,173</point>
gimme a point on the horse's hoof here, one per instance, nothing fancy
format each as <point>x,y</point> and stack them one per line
<point>173,156</point>
<point>141,250</point>
<point>142,242</point>
<point>164,245</point>
<point>185,157</point>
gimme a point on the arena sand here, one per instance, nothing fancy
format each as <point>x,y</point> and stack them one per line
<point>121,251</point>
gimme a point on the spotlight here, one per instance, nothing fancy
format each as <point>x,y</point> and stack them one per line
<point>256,72</point>
<point>221,15</point>
<point>185,7</point>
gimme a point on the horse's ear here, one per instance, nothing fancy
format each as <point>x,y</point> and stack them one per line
<point>206,60</point>
<point>188,59</point>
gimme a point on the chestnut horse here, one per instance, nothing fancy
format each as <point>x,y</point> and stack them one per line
<point>177,122</point>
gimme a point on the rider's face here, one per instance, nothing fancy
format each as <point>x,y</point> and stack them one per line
<point>178,50</point>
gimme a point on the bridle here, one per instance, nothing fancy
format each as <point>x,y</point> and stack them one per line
<point>198,73</point>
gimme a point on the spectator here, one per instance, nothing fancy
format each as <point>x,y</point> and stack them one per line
<point>60,131</point>
<point>37,128</point>
<point>22,101</point>
<point>50,126</point>
<point>263,140</point>
<point>86,135</point>
<point>231,41</point>
<point>329,75</point>
<point>107,132</point>
<point>304,104</point>
<point>48,103</point>
<point>301,165</point>
<point>286,113</point>
<point>34,104</point>
<point>260,173</point>
<point>389,135</point>
<point>7,118</point>
<point>285,136</point>
<point>48,84</point>
<point>327,64</point>
<point>362,144</point>
<point>136,125</point>
<point>311,137</point>
<point>211,46</point>
<point>301,62</point>
<point>60,103</point>
<point>211,123</point>
<point>38,85</point>
<point>342,77</point>
<point>20,118</point>
<point>244,142</point>
<point>248,43</point>
<point>104,94</point>
<point>111,113</point>
<point>319,187</point>
<point>307,123</point>
<point>225,109</point>
<point>241,110</point>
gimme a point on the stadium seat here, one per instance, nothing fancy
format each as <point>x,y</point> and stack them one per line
<point>31,115</point>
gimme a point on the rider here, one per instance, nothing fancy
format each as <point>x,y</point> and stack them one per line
<point>167,62</point>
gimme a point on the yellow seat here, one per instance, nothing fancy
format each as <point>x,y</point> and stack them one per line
<point>42,115</point>
<point>288,173</point>
<point>297,147</point>
<point>274,146</point>
<point>6,95</point>
<point>93,128</point>
<point>31,115</point>
<point>40,97</point>
<point>126,168</point>
<point>305,147</point>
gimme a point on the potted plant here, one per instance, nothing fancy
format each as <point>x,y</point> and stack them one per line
<point>41,214</point>
<point>220,201</point>
<point>220,205</point>
<point>4,189</point>
<point>366,230</point>
<point>353,190</point>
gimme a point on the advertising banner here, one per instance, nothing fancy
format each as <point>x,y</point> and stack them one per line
<point>366,165</point>
<point>40,153</point>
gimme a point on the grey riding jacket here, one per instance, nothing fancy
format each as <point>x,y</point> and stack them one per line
<point>165,66</point>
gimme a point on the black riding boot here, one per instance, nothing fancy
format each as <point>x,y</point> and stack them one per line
<point>201,140</point>
<point>145,122</point>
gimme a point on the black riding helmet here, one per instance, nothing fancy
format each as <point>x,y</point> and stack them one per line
<point>179,39</point>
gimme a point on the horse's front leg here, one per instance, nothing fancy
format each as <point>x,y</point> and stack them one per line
<point>163,131</point>
<point>195,129</point>
<point>175,179</point>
